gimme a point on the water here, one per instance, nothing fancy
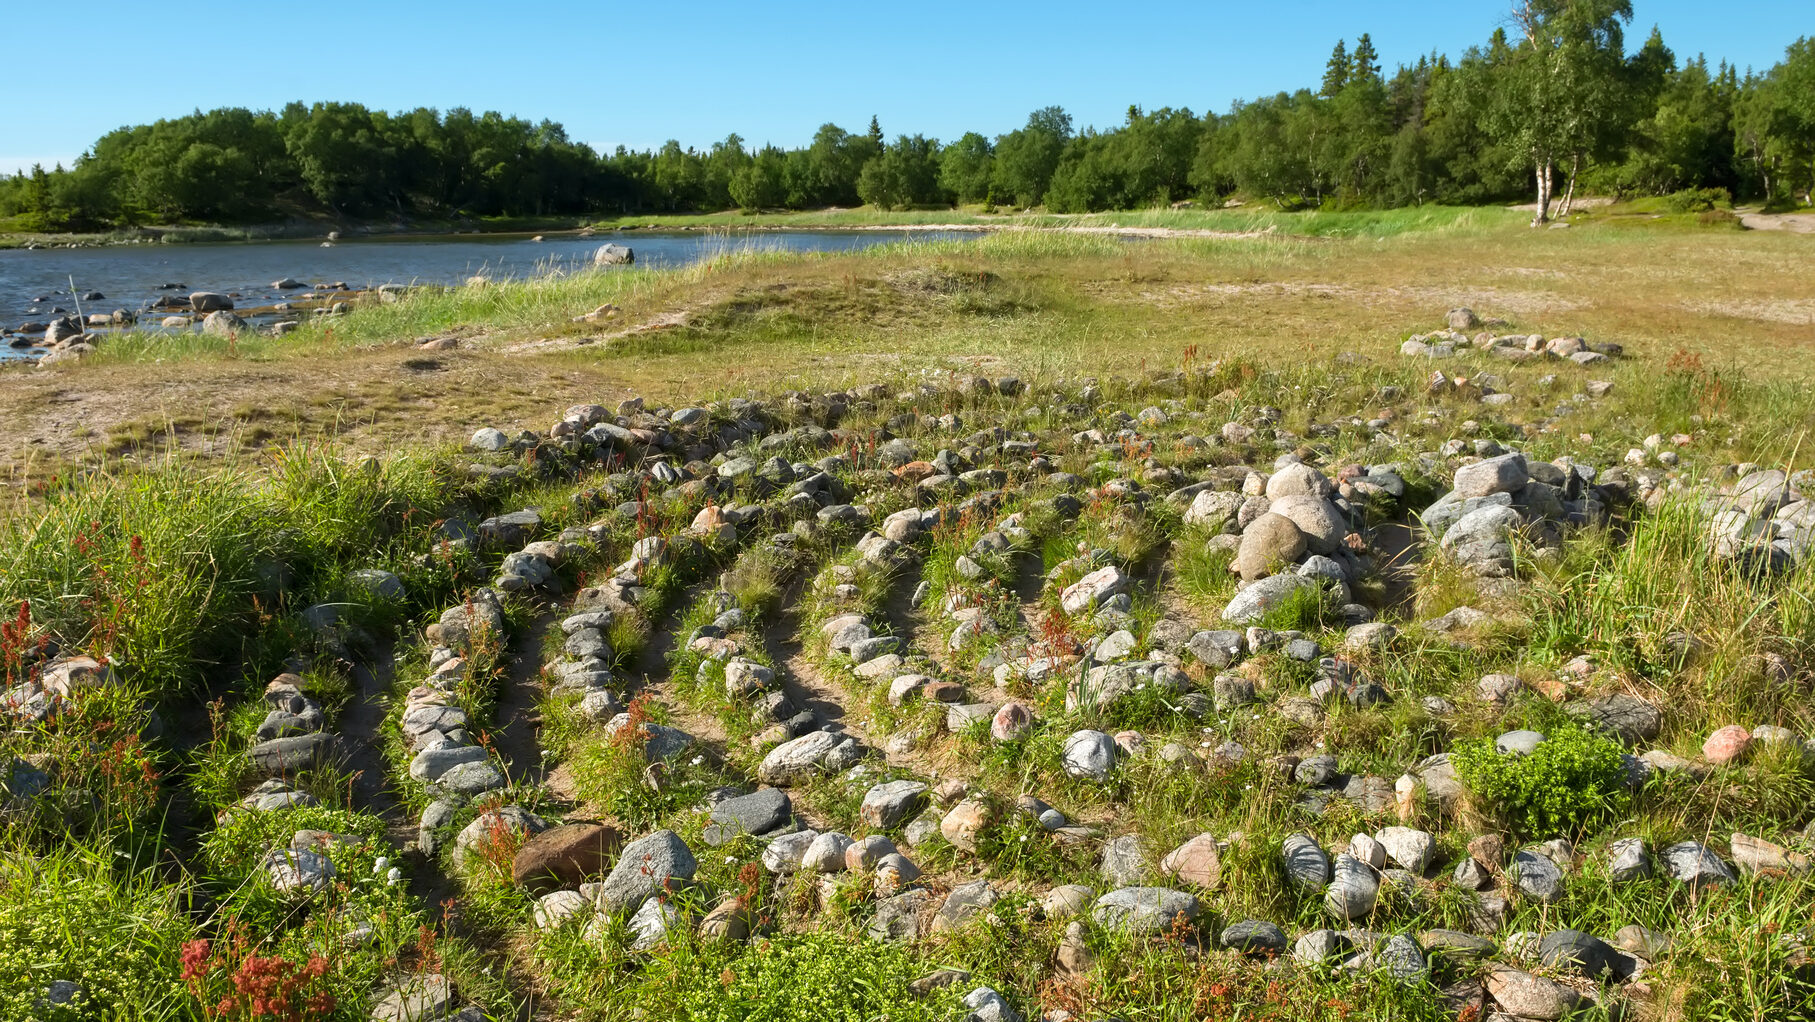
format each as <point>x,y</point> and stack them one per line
<point>32,283</point>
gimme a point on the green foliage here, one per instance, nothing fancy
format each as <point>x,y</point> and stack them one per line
<point>822,976</point>
<point>1574,779</point>
<point>72,916</point>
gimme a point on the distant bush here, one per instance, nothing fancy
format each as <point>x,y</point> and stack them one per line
<point>1698,200</point>
<point>1574,778</point>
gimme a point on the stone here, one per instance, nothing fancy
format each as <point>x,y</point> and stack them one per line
<point>1756,855</point>
<point>1066,901</point>
<point>659,863</point>
<point>564,856</point>
<point>1456,944</point>
<point>1254,937</point>
<point>1402,959</point>
<point>898,917</point>
<point>1011,720</point>
<point>1517,743</point>
<point>965,903</point>
<point>1269,544</point>
<point>1695,864</point>
<point>1306,863</point>
<point>1217,649</point>
<point>756,813</point>
<point>1629,718</point>
<point>1087,593</point>
<point>797,759</point>
<point>1090,754</point>
<point>281,757</point>
<point>887,805</point>
<point>1641,942</point>
<point>1319,521</point>
<point>867,853</point>
<point>1575,951</point>
<point>728,920</point>
<point>1144,911</point>
<point>1197,862</point>
<point>1353,889</point>
<point>1506,473</point>
<point>1364,848</point>
<point>653,921</point>
<point>786,851</point>
<point>826,853</point>
<point>423,997</point>
<point>1537,877</point>
<point>293,871</point>
<point>1413,849</point>
<point>1255,601</point>
<point>1124,862</point>
<point>613,255</point>
<point>472,778</point>
<point>986,1005</point>
<point>555,908</point>
<point>1628,860</point>
<point>1530,997</point>
<point>1727,744</point>
<point>1319,948</point>
<point>209,301</point>
<point>966,823</point>
<point>1214,510</point>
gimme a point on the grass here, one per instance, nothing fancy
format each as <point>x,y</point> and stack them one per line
<point>189,569</point>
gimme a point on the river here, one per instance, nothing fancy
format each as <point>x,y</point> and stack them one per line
<point>34,283</point>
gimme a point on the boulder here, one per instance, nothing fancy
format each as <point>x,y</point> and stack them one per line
<point>564,856</point>
<point>660,863</point>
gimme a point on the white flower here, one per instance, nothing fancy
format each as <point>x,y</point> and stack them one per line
<point>379,866</point>
<point>394,877</point>
<point>697,760</point>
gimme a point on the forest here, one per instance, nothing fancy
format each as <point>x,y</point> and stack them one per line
<point>1550,106</point>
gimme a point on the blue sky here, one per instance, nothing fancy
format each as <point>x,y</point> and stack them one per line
<point>640,73</point>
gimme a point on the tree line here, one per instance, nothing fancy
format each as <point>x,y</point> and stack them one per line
<point>1554,107</point>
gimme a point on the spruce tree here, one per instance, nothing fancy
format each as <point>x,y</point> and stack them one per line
<point>1336,72</point>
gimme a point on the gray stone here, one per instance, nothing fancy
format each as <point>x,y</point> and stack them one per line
<point>1124,863</point>
<point>1144,911</point>
<point>1353,890</point>
<point>1504,474</point>
<point>660,863</point>
<point>469,778</point>
<point>653,922</point>
<point>785,852</point>
<point>1090,754</point>
<point>1629,860</point>
<point>1255,601</point>
<point>1575,951</point>
<point>286,756</point>
<point>898,917</point>
<point>1518,743</point>
<point>1630,718</point>
<point>1413,849</point>
<point>1254,937</point>
<point>756,813</point>
<point>965,903</point>
<point>1537,877</point>
<point>1306,862</point>
<point>426,997</point>
<point>797,759</point>
<point>1695,864</point>
<point>1319,948</point>
<point>1402,959</point>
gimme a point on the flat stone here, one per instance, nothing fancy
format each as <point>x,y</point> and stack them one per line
<point>286,756</point>
<point>1254,937</point>
<point>965,903</point>
<point>798,759</point>
<point>423,997</point>
<point>898,917</point>
<point>1413,849</point>
<point>1144,911</point>
<point>756,813</point>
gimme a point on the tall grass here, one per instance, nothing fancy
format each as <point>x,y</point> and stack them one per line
<point>174,569</point>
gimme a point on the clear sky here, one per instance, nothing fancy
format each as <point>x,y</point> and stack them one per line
<point>640,73</point>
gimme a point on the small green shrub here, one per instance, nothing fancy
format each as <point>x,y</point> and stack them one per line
<point>1697,200</point>
<point>1573,779</point>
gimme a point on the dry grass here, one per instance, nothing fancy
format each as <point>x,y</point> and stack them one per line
<point>1031,304</point>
